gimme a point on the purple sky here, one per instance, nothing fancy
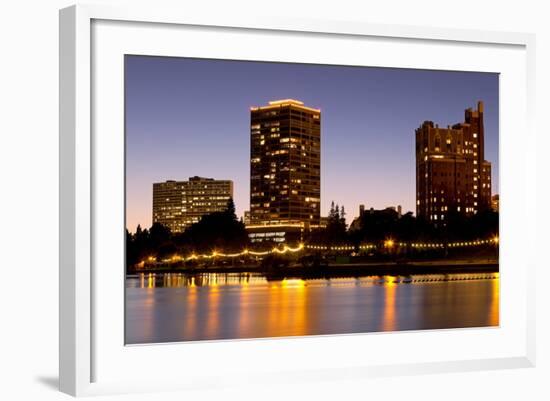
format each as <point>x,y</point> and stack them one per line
<point>187,117</point>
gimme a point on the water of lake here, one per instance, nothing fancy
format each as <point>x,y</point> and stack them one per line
<point>213,306</point>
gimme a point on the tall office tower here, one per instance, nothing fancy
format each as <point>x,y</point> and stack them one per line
<point>452,174</point>
<point>285,171</point>
<point>178,204</point>
<point>495,199</point>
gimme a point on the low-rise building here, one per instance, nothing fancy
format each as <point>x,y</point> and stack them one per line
<point>179,204</point>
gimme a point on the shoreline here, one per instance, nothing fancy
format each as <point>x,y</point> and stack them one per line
<point>346,270</point>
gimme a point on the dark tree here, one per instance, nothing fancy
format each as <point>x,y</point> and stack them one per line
<point>159,235</point>
<point>230,210</point>
<point>378,225</point>
<point>132,255</point>
<point>218,231</point>
<point>335,231</point>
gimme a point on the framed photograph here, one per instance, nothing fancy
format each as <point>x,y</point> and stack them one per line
<point>290,198</point>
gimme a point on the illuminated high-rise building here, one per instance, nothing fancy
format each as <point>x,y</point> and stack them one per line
<point>178,204</point>
<point>452,174</point>
<point>285,170</point>
<point>495,200</point>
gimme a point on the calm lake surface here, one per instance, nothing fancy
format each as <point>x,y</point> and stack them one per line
<point>211,306</point>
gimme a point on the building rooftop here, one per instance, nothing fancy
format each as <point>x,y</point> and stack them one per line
<point>285,102</point>
<point>194,178</point>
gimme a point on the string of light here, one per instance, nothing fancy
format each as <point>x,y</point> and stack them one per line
<point>388,244</point>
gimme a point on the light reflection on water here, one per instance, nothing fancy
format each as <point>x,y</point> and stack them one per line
<point>181,307</point>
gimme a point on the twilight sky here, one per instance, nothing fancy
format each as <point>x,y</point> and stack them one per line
<point>187,117</point>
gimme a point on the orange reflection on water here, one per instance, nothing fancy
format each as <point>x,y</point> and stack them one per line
<point>298,315</point>
<point>148,304</point>
<point>170,280</point>
<point>494,312</point>
<point>244,307</point>
<point>213,315</point>
<point>217,306</point>
<point>287,308</point>
<point>191,317</point>
<point>388,321</point>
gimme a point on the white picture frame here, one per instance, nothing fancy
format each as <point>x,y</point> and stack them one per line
<point>82,344</point>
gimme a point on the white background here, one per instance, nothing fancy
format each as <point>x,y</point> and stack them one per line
<point>28,168</point>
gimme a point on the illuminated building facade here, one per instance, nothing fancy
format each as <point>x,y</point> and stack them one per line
<point>285,170</point>
<point>246,217</point>
<point>495,200</point>
<point>452,174</point>
<point>178,204</point>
